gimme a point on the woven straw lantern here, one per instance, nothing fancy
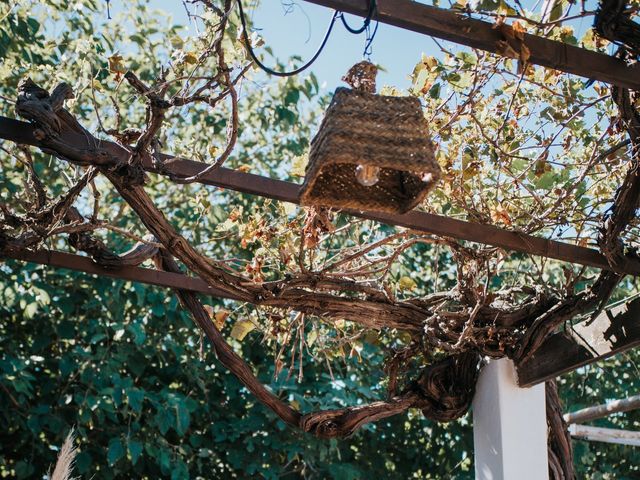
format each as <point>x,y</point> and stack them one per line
<point>372,152</point>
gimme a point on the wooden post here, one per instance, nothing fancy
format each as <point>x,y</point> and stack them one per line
<point>509,426</point>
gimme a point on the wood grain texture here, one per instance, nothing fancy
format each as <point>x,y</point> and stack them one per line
<point>599,411</point>
<point>459,28</point>
<point>613,331</point>
<point>149,276</point>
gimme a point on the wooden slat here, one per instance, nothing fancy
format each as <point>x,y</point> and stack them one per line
<point>613,331</point>
<point>22,132</point>
<point>458,28</point>
<point>599,411</point>
<point>135,274</point>
<point>420,221</point>
<point>607,435</point>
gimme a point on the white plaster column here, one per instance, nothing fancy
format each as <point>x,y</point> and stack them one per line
<point>509,426</point>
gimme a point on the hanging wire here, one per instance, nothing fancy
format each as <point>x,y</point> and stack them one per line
<point>368,44</point>
<point>336,15</point>
<point>365,24</point>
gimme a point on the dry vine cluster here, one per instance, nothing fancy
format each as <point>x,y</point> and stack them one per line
<point>467,323</point>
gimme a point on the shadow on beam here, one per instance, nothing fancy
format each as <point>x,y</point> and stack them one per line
<point>613,331</point>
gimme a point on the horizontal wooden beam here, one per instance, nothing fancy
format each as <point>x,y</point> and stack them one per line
<point>606,435</point>
<point>415,220</point>
<point>459,28</point>
<point>22,132</point>
<point>135,274</point>
<point>613,331</point>
<point>599,411</point>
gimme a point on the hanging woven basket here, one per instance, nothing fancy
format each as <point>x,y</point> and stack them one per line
<point>372,152</point>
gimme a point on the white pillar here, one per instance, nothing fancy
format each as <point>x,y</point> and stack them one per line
<point>509,426</point>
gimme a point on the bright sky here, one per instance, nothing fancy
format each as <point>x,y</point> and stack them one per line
<point>301,31</point>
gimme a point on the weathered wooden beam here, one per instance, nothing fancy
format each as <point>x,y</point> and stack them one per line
<point>415,220</point>
<point>613,331</point>
<point>22,132</point>
<point>599,411</point>
<point>606,435</point>
<point>135,274</point>
<point>459,28</point>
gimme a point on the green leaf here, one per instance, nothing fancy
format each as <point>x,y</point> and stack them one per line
<point>164,420</point>
<point>183,418</point>
<point>468,58</point>
<point>420,80</point>
<point>285,115</point>
<point>434,91</point>
<point>24,469</point>
<point>546,181</point>
<point>97,338</point>
<point>158,309</point>
<point>139,335</point>
<point>83,462</point>
<point>34,25</point>
<point>292,96</point>
<point>135,450</point>
<point>552,10</point>
<point>116,451</point>
<point>179,471</point>
<point>135,398</point>
<point>407,283</point>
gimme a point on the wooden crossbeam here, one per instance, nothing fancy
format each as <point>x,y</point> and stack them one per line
<point>22,132</point>
<point>415,220</point>
<point>135,274</point>
<point>607,435</point>
<point>459,28</point>
<point>613,331</point>
<point>599,411</point>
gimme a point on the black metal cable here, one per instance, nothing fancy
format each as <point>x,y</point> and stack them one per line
<point>336,14</point>
<point>365,24</point>
<point>368,48</point>
<point>291,73</point>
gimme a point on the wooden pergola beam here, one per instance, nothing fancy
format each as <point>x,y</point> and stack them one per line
<point>22,132</point>
<point>606,435</point>
<point>612,331</point>
<point>415,220</point>
<point>459,28</point>
<point>149,276</point>
<point>599,411</point>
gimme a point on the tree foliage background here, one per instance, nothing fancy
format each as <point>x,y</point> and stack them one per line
<point>125,366</point>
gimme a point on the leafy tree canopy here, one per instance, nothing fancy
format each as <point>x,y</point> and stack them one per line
<point>520,146</point>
